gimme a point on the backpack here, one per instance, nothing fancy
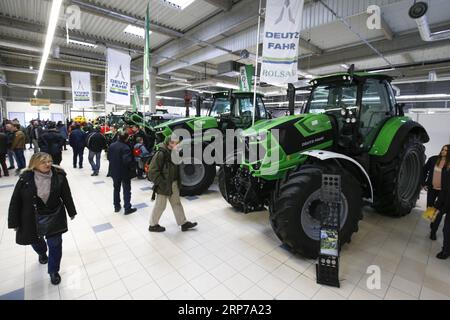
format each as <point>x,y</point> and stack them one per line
<point>151,163</point>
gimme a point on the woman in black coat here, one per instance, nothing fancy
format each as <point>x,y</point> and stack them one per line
<point>432,183</point>
<point>443,205</point>
<point>45,186</point>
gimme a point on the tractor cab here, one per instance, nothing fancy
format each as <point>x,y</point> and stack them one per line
<point>358,105</point>
<point>235,110</point>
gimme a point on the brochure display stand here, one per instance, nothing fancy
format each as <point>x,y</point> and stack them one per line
<point>327,268</point>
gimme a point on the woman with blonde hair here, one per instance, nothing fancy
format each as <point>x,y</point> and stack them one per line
<point>38,209</point>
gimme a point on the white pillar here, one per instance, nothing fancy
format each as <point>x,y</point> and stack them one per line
<point>152,100</point>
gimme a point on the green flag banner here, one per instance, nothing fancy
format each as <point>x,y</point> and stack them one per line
<point>246,78</point>
<point>135,100</point>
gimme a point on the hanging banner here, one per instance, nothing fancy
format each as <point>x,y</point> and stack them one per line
<point>246,78</point>
<point>119,90</point>
<point>280,43</point>
<point>81,89</point>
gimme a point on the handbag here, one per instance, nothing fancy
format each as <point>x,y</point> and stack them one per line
<point>430,214</point>
<point>50,221</point>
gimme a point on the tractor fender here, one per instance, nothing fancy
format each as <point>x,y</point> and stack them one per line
<point>326,155</point>
<point>389,149</point>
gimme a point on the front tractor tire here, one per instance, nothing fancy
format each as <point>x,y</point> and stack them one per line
<point>225,183</point>
<point>196,178</point>
<point>401,181</point>
<point>295,208</point>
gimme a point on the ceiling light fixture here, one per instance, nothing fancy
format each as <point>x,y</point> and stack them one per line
<point>382,70</point>
<point>345,66</point>
<point>178,4</point>
<point>82,43</point>
<point>135,31</point>
<point>54,15</point>
<point>424,96</point>
<point>35,92</point>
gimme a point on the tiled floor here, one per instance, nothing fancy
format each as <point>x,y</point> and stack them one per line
<point>107,255</point>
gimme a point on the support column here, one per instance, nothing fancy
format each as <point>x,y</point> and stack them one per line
<point>152,100</point>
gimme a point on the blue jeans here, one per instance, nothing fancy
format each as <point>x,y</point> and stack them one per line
<point>95,165</point>
<point>126,185</point>
<point>20,158</point>
<point>55,251</point>
<point>78,154</point>
<point>11,157</point>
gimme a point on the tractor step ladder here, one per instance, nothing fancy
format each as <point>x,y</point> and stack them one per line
<point>327,268</point>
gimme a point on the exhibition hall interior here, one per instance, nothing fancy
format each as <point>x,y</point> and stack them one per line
<point>232,150</point>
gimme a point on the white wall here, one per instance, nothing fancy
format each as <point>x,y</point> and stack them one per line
<point>25,112</point>
<point>438,128</point>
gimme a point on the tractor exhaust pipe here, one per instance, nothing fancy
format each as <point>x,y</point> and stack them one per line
<point>291,98</point>
<point>198,106</point>
<point>418,12</point>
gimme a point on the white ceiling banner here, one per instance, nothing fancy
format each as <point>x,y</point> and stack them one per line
<point>119,84</point>
<point>81,89</point>
<point>283,22</point>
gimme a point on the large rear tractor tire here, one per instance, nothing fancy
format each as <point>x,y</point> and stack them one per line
<point>295,207</point>
<point>400,188</point>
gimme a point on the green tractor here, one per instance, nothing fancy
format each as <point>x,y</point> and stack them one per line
<point>230,110</point>
<point>351,126</point>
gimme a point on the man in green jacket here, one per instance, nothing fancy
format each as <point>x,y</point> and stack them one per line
<point>166,184</point>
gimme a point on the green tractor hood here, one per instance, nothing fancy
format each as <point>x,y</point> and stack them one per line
<point>280,142</point>
<point>190,124</point>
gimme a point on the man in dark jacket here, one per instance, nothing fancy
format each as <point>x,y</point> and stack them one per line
<point>121,167</point>
<point>166,184</point>
<point>96,142</point>
<point>10,138</point>
<point>51,142</point>
<point>29,130</point>
<point>138,132</point>
<point>36,132</point>
<point>77,141</point>
<point>63,132</point>
<point>3,152</point>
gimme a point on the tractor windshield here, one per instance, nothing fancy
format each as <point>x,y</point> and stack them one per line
<point>243,107</point>
<point>331,98</point>
<point>221,106</point>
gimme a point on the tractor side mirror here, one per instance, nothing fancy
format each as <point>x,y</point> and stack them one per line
<point>400,107</point>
